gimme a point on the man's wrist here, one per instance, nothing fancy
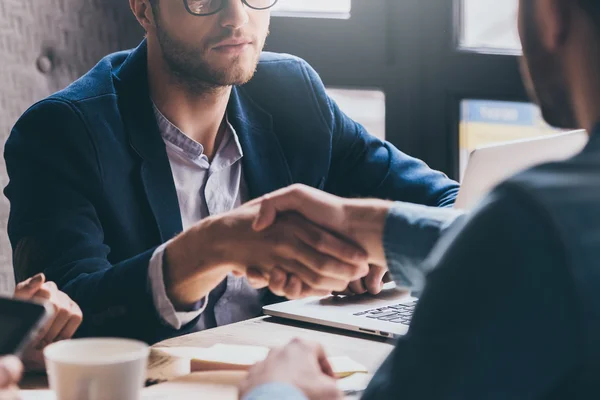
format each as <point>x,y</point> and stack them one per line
<point>366,224</point>
<point>189,256</point>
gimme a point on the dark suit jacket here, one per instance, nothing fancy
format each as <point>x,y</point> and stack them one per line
<point>92,194</point>
<point>511,309</point>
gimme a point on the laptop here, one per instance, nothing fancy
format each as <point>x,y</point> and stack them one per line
<point>488,166</point>
<point>389,313</point>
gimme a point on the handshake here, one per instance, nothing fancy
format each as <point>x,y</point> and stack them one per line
<point>345,237</point>
<point>298,241</point>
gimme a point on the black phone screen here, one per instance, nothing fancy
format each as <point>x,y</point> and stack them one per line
<point>19,321</point>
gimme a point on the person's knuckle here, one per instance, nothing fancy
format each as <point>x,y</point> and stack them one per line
<point>76,310</point>
<point>62,311</point>
<point>340,270</point>
<point>77,318</point>
<point>43,293</point>
<point>373,279</point>
<point>296,189</point>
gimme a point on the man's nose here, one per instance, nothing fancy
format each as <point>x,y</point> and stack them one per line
<point>235,15</point>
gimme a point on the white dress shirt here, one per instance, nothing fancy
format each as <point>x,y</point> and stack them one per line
<point>203,189</point>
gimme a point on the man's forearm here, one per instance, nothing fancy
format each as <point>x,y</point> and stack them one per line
<point>192,269</point>
<point>411,232</point>
<point>398,235</point>
<point>365,225</point>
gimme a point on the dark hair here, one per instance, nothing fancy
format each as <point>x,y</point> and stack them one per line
<point>592,8</point>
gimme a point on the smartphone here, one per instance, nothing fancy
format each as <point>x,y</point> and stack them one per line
<point>20,323</point>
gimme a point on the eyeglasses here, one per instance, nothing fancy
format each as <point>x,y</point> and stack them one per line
<point>202,8</point>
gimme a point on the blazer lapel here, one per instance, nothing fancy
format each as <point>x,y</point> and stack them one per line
<point>156,175</point>
<point>265,166</point>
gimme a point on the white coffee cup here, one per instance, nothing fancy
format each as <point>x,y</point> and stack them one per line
<point>97,369</point>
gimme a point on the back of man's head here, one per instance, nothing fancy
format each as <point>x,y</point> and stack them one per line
<point>592,8</point>
<point>560,62</point>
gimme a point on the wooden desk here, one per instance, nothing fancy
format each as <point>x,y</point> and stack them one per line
<point>275,332</point>
<point>264,331</point>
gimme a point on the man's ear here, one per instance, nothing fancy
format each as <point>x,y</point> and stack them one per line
<point>553,19</point>
<point>143,13</point>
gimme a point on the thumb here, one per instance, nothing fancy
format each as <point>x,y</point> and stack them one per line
<point>10,371</point>
<point>266,215</point>
<point>26,289</point>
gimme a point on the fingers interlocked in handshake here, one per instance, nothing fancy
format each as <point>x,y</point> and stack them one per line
<point>347,230</point>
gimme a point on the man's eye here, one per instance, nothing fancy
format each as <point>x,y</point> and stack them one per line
<point>203,6</point>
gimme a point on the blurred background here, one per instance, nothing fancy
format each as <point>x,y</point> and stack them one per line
<point>437,78</point>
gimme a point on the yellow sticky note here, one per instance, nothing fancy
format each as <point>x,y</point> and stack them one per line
<point>345,366</point>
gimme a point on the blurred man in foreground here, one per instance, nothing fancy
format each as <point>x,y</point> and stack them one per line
<point>511,306</point>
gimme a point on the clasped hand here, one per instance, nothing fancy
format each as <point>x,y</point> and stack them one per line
<point>327,253</point>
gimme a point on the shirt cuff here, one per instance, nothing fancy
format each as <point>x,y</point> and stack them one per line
<point>162,303</point>
<point>276,390</point>
<point>411,231</point>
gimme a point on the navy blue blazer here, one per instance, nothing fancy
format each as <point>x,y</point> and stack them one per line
<point>92,194</point>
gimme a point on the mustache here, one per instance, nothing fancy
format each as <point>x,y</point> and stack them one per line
<point>229,34</point>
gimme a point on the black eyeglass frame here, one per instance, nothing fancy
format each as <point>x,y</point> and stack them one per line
<point>224,4</point>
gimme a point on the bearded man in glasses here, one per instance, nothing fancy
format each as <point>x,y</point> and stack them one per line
<point>133,187</point>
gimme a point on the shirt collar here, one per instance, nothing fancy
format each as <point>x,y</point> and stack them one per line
<point>229,151</point>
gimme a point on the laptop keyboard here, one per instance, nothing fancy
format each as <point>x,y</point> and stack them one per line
<point>398,314</point>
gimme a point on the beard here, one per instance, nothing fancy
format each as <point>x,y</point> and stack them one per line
<point>189,67</point>
<point>543,74</point>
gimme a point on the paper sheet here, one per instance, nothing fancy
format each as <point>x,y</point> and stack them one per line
<point>246,356</point>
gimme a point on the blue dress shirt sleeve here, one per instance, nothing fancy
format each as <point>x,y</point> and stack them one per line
<point>410,233</point>
<point>164,306</point>
<point>276,390</point>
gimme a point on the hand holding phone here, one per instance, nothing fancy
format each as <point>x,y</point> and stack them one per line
<point>20,324</point>
<point>61,325</point>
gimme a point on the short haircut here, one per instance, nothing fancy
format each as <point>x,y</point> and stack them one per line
<point>592,8</point>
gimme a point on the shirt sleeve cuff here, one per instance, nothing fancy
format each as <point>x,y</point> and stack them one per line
<point>164,306</point>
<point>276,390</point>
<point>411,231</point>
